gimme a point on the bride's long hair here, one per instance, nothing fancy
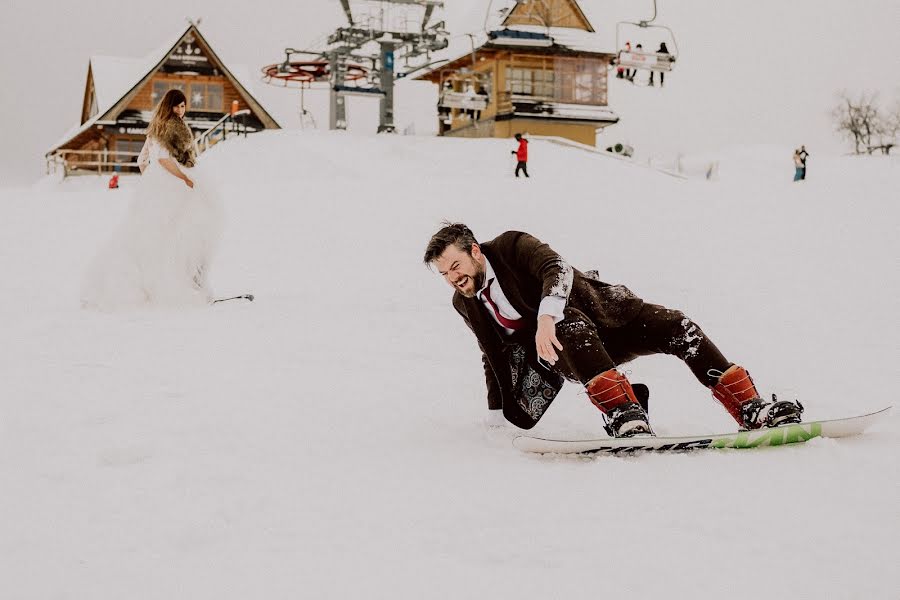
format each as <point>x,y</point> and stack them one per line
<point>165,112</point>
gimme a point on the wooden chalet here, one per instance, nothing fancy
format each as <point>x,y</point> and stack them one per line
<point>121,93</point>
<point>544,72</point>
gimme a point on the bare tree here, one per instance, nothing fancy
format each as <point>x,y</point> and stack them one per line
<point>858,120</point>
<point>889,129</point>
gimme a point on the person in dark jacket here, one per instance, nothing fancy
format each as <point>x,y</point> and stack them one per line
<point>662,75</point>
<point>803,156</point>
<point>539,321</point>
<point>521,155</point>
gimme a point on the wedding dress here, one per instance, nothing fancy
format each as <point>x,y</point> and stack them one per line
<point>161,252</point>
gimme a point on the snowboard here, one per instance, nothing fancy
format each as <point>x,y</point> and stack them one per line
<point>793,433</point>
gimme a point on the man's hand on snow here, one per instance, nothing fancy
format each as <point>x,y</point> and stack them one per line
<point>545,341</point>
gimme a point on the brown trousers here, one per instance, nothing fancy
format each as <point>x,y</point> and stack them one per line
<point>588,351</point>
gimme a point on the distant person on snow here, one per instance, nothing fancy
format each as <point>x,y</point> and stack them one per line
<point>521,155</point>
<point>798,166</point>
<point>539,321</point>
<point>803,156</point>
<point>662,75</point>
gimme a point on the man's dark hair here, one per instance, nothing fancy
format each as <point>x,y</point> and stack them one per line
<point>456,234</point>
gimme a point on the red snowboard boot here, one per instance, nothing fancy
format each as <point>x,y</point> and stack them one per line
<point>611,392</point>
<point>736,392</point>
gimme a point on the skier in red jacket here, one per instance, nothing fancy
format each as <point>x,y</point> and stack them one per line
<point>521,154</point>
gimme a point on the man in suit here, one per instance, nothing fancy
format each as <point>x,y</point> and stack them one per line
<point>539,321</point>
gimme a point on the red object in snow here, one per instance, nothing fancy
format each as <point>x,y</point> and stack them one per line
<point>114,182</point>
<point>522,152</point>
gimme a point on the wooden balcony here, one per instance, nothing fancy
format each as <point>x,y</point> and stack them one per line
<point>548,107</point>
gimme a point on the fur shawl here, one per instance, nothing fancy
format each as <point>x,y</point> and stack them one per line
<point>178,139</point>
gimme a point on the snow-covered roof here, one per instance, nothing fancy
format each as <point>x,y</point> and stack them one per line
<point>577,40</point>
<point>113,77</point>
<point>116,77</point>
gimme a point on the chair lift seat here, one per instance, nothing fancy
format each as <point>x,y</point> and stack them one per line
<point>650,61</point>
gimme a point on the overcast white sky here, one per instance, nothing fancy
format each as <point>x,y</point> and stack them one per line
<point>752,72</point>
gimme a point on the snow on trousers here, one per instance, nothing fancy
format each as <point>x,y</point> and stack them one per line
<point>588,351</point>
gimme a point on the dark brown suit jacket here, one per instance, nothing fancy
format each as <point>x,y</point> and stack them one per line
<point>528,270</point>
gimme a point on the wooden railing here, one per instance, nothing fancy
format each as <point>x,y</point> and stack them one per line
<point>73,162</point>
<point>234,123</point>
<point>507,101</point>
<point>76,162</point>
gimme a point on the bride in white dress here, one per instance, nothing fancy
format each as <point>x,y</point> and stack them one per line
<point>161,253</point>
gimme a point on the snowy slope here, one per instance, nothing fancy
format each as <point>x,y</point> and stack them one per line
<point>325,441</point>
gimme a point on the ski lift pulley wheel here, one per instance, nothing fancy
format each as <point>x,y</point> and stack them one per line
<point>301,73</point>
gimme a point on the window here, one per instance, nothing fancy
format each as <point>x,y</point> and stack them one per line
<point>573,80</point>
<point>529,82</point>
<point>543,83</point>
<point>206,97</point>
<point>201,97</point>
<point>565,80</point>
<point>584,83</point>
<point>518,81</point>
<point>581,81</point>
<point>161,87</point>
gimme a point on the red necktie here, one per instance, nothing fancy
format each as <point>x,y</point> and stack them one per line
<point>508,323</point>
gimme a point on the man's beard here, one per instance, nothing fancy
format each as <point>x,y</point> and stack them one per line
<point>477,278</point>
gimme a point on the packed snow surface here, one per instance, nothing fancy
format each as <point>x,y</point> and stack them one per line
<point>326,440</point>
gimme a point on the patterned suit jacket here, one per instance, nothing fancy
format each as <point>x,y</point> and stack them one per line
<point>528,270</point>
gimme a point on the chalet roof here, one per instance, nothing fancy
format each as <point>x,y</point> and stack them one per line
<point>576,40</point>
<point>558,8</point>
<point>117,79</point>
<point>113,76</point>
<point>566,38</point>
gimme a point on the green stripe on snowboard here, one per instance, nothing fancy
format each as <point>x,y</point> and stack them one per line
<point>786,434</point>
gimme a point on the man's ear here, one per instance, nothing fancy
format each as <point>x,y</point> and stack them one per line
<point>475,251</point>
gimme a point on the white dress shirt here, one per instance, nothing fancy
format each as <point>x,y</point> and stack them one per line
<point>550,305</point>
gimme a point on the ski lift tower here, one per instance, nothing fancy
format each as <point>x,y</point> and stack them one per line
<point>380,32</point>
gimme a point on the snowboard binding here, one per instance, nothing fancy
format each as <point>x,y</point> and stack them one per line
<point>628,420</point>
<point>760,413</point>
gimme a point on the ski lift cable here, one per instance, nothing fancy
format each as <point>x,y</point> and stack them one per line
<point>653,18</point>
<point>644,59</point>
<point>648,24</point>
<point>487,15</point>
